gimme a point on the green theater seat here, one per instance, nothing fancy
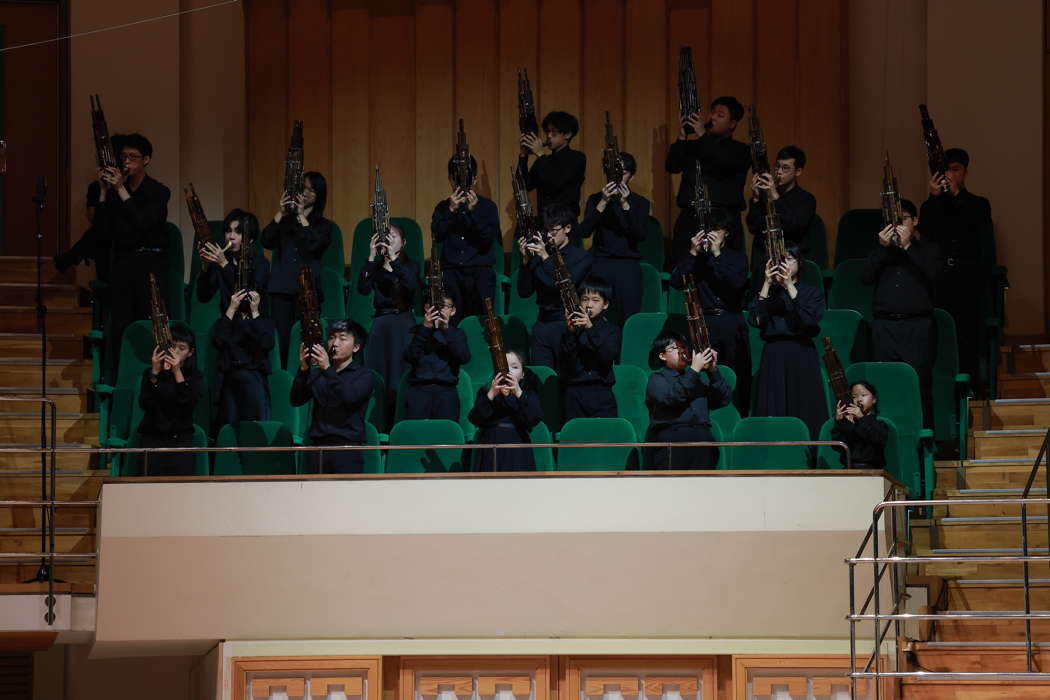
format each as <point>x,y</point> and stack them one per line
<point>254,434</point>
<point>605,458</point>
<point>769,428</point>
<point>425,432</point>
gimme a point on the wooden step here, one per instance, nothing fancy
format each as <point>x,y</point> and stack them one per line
<point>27,540</point>
<point>23,269</point>
<point>65,461</point>
<point>1003,444</point>
<point>60,373</point>
<point>992,474</point>
<point>56,296</point>
<point>1025,358</point>
<point>22,319</point>
<point>59,345</point>
<point>25,486</point>
<point>981,533</point>
<point>970,570</point>
<point>1000,594</point>
<point>80,428</point>
<point>17,572</point>
<point>983,630</point>
<point>66,400</point>
<point>961,506</point>
<point>1025,386</point>
<point>1010,413</point>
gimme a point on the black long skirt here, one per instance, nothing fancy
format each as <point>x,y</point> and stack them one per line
<point>790,383</point>
<point>386,347</point>
<point>502,460</point>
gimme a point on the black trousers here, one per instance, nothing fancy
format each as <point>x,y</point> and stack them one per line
<point>681,457</point>
<point>469,287</point>
<point>958,291</point>
<point>334,461</point>
<point>129,299</point>
<point>686,226</point>
<point>428,401</point>
<point>284,309</point>
<point>546,342</point>
<point>624,275</point>
<point>913,341</point>
<point>90,246</point>
<point>728,333</point>
<point>589,401</point>
<point>165,463</point>
<point>245,395</point>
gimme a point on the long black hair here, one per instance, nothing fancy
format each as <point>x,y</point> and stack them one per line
<point>320,187</point>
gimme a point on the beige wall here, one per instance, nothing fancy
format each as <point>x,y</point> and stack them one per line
<point>65,671</point>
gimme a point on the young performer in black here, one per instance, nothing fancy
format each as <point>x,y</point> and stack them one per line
<point>243,340</point>
<point>221,272</point>
<point>435,351</point>
<point>680,396</point>
<point>724,163</point>
<point>903,269</point>
<point>340,389</point>
<point>588,352</point>
<point>467,226</point>
<point>505,413</point>
<point>538,277</point>
<point>795,206</point>
<point>131,216</point>
<point>788,313</point>
<point>297,238</point>
<point>170,390</point>
<point>720,274</point>
<point>558,176</point>
<point>859,427</point>
<point>394,278</point>
<point>960,223</point>
<point>619,221</point>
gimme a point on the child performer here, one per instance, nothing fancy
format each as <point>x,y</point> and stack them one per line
<point>505,413</point>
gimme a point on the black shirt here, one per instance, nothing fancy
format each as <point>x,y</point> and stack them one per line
<point>720,281</point>
<point>903,279</point>
<point>866,439</point>
<point>436,355</point>
<point>394,288</point>
<point>781,318</point>
<point>168,405</point>
<point>140,222</point>
<point>960,225</point>
<point>724,162</point>
<point>616,232</point>
<point>523,414</point>
<point>538,277</point>
<point>469,237</point>
<point>340,400</point>
<point>558,179</point>
<point>588,354</point>
<point>684,398</point>
<point>295,245</point>
<point>796,208</point>
<point>243,343</point>
<point>221,279</point>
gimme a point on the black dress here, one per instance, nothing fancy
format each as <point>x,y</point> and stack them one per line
<point>505,420</point>
<point>789,379</point>
<point>391,330</point>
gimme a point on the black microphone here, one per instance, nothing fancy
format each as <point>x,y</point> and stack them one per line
<point>41,191</point>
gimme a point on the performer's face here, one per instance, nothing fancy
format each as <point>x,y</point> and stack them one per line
<point>593,304</point>
<point>675,356</point>
<point>786,172</point>
<point>791,264</point>
<point>514,366</point>
<point>309,194</point>
<point>864,399</point>
<point>233,235</point>
<point>133,162</point>
<point>722,121</point>
<point>342,346</point>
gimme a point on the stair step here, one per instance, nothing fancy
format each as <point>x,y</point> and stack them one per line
<point>25,486</point>
<point>1007,443</point>
<point>22,319</point>
<point>79,428</point>
<point>984,630</point>
<point>1011,413</point>
<point>76,573</point>
<point>59,345</point>
<point>998,594</point>
<point>972,658</point>
<point>27,540</point>
<point>986,533</point>
<point>30,461</point>
<point>1010,474</point>
<point>67,400</point>
<point>23,268</point>
<point>56,296</point>
<point>961,509</point>
<point>21,371</point>
<point>1028,385</point>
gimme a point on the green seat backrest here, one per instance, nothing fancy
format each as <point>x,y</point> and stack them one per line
<point>333,258</point>
<point>847,290</point>
<point>769,428</point>
<point>629,391</point>
<point>638,335</point>
<point>136,352</point>
<point>132,466</point>
<point>524,308</point>
<point>549,387</point>
<point>334,304</point>
<point>544,456</point>
<point>425,432</point>
<point>606,458</point>
<point>653,299</point>
<point>480,369</point>
<point>176,292</point>
<point>725,419</point>
<point>373,458</point>
<point>945,368</point>
<point>729,375</point>
<point>464,390</point>
<point>203,314</point>
<point>843,327</point>
<point>652,248</point>
<point>363,234</point>
<point>828,457</point>
<point>255,434</point>
<point>813,276</point>
<point>281,408</point>
<point>817,240</point>
<point>858,230</point>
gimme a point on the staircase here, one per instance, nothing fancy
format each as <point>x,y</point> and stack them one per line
<point>1005,438</point>
<point>68,379</point>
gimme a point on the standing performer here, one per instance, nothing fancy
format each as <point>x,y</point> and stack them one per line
<point>795,206</point>
<point>558,176</point>
<point>243,340</point>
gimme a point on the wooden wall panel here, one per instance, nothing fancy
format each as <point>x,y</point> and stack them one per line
<point>603,58</point>
<point>351,162</point>
<point>732,51</point>
<point>561,50</point>
<point>689,24</point>
<point>268,124</point>
<point>435,72</point>
<point>477,82</point>
<point>776,68</point>
<point>310,80</point>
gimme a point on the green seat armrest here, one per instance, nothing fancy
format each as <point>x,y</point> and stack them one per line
<point>962,378</point>
<point>104,389</point>
<point>925,434</point>
<point>384,438</point>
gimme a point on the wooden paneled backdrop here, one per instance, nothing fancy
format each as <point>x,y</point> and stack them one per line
<point>384,81</point>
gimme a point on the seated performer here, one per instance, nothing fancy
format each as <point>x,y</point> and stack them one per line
<point>538,276</point>
<point>724,163</point>
<point>435,351</point>
<point>588,352</point>
<point>467,226</point>
<point>394,279</point>
<point>505,413</point>
<point>903,269</point>
<point>170,390</point>
<point>787,313</point>
<point>243,340</point>
<point>619,221</point>
<point>222,267</point>
<point>558,176</point>
<point>859,427</point>
<point>298,235</point>
<point>680,396</point>
<point>340,389</point>
<point>720,274</point>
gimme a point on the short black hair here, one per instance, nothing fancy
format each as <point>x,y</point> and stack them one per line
<point>563,122</point>
<point>137,141</point>
<point>320,188</point>
<point>629,163</point>
<point>871,390</point>
<point>473,167</point>
<point>558,215</point>
<point>720,220</point>
<point>665,338</point>
<point>909,206</point>
<point>736,110</point>
<point>795,250</point>
<point>247,224</point>
<point>597,285</point>
<point>181,333</point>
<point>957,155</point>
<point>349,325</point>
<point>793,152</point>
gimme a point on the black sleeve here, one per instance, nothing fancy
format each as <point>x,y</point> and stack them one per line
<point>300,394</point>
<point>686,266</point>
<point>678,157</point>
<point>795,220</point>
<point>527,411</point>
<point>417,344</point>
<point>483,412</point>
<point>146,213</point>
<point>366,278</point>
<point>484,223</point>
<point>672,391</point>
<point>456,340</point>
<point>806,309</point>
<point>636,221</point>
<point>591,216</point>
<point>441,221</point>
<point>271,235</point>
